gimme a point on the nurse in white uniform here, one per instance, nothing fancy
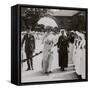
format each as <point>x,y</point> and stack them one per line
<point>83,62</point>
<point>77,55</point>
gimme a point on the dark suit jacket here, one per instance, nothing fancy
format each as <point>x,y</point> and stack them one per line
<point>29,42</point>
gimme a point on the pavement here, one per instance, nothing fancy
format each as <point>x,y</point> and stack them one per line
<point>57,74</point>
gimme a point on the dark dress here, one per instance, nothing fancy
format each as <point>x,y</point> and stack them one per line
<point>63,52</point>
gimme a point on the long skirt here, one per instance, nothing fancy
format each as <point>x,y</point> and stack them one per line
<point>47,61</point>
<point>77,60</point>
<point>63,58</point>
<point>83,64</point>
<point>70,54</point>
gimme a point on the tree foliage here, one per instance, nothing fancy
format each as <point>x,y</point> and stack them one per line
<point>32,15</point>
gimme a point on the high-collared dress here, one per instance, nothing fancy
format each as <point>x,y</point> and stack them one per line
<point>47,58</point>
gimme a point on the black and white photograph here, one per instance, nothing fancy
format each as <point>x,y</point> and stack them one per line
<point>53,44</point>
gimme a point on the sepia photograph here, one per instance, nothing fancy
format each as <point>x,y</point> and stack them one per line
<point>53,44</point>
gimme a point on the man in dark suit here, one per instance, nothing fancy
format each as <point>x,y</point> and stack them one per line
<point>63,50</point>
<point>29,48</point>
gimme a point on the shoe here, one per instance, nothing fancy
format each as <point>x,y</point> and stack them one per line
<point>32,69</point>
<point>62,69</point>
<point>28,69</point>
<point>50,72</point>
<point>79,77</point>
<point>46,73</point>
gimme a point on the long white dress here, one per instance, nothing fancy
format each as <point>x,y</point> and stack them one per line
<point>78,60</point>
<point>74,52</point>
<point>83,62</point>
<point>70,54</point>
<point>48,53</point>
<point>77,57</point>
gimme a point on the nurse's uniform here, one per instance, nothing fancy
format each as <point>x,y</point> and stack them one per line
<point>83,62</point>
<point>70,54</point>
<point>77,56</point>
<point>74,52</point>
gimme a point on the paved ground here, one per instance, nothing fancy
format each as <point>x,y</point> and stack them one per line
<point>57,74</point>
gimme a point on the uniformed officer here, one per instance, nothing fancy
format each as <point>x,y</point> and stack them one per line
<point>29,48</point>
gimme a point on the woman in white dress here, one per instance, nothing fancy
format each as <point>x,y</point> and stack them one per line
<point>71,47</point>
<point>47,59</point>
<point>83,62</point>
<point>79,56</point>
<point>75,51</point>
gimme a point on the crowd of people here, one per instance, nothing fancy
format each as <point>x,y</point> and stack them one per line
<point>78,54</point>
<point>70,45</point>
